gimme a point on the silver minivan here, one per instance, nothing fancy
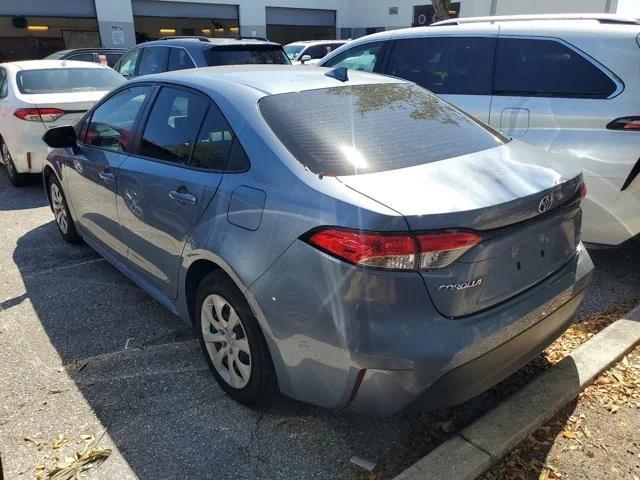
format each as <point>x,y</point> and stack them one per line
<point>569,84</point>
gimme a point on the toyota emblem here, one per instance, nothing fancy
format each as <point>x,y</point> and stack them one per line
<point>545,203</point>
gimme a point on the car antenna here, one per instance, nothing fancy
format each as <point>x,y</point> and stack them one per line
<point>339,73</point>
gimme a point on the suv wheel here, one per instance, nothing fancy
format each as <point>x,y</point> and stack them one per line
<point>232,341</point>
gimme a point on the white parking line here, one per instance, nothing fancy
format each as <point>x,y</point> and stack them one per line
<point>64,267</point>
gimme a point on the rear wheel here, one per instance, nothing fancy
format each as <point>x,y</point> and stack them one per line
<point>65,223</point>
<point>17,179</point>
<point>232,341</point>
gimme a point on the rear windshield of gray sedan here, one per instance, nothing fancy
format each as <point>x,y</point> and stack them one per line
<point>370,128</point>
<point>68,80</point>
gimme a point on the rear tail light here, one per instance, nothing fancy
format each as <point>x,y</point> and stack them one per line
<point>438,250</point>
<point>582,192</point>
<point>39,114</point>
<point>625,123</point>
<point>394,251</point>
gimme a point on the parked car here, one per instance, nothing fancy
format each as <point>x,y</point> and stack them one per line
<point>104,56</point>
<point>311,51</point>
<point>39,94</point>
<point>316,255</point>
<point>565,83</point>
<point>179,53</point>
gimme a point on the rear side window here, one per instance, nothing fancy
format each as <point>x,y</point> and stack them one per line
<point>371,128</point>
<point>246,54</point>
<point>361,57</point>
<point>112,123</point>
<point>547,68</point>
<point>214,142</point>
<point>153,60</point>
<point>179,59</point>
<point>3,83</point>
<point>82,57</point>
<point>173,125</point>
<point>453,65</point>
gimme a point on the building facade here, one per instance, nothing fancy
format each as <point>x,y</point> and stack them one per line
<point>35,28</point>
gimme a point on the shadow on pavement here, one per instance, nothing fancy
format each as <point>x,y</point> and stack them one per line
<point>21,198</point>
<point>143,374</point>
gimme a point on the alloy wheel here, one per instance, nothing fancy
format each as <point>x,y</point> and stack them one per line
<point>226,341</point>
<point>59,209</point>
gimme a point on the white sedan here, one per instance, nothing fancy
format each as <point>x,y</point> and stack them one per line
<point>36,95</point>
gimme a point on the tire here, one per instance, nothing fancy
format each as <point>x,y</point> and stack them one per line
<point>66,226</point>
<point>17,179</point>
<point>251,379</point>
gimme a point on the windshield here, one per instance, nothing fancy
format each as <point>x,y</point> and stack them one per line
<point>370,128</point>
<point>68,80</point>
<point>293,50</point>
<point>246,54</point>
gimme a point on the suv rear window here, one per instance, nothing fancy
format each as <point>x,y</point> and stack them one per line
<point>246,54</point>
<point>359,129</point>
<point>68,80</point>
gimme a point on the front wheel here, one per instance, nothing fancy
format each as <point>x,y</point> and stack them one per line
<point>232,341</point>
<point>65,223</point>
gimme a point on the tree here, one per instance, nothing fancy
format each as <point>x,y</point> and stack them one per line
<point>441,8</point>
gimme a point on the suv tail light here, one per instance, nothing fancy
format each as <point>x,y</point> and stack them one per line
<point>402,251</point>
<point>625,123</point>
<point>39,114</point>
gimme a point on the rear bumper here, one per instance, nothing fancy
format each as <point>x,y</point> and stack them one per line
<point>482,373</point>
<point>22,138</point>
<point>342,336</point>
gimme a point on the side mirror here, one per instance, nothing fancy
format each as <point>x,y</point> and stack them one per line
<point>61,137</point>
<point>305,58</point>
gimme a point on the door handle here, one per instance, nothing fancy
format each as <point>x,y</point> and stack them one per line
<point>183,197</point>
<point>106,175</point>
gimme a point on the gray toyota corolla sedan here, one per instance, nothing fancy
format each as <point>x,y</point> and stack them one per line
<point>345,238</point>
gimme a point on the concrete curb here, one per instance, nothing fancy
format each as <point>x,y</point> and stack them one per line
<point>477,447</point>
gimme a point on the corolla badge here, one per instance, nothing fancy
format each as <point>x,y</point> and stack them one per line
<point>461,286</point>
<point>545,203</point>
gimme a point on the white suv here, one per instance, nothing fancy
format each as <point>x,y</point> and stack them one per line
<point>566,83</point>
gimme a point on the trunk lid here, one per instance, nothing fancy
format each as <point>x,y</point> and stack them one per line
<point>74,104</point>
<point>499,194</point>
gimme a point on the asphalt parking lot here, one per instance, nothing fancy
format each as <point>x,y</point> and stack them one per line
<point>82,349</point>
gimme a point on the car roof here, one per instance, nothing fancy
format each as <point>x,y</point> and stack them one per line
<point>316,42</point>
<point>604,18</point>
<point>203,42</point>
<point>266,79</point>
<point>48,64</point>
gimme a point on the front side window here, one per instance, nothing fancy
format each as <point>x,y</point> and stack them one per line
<point>361,57</point>
<point>67,80</point>
<point>153,60</point>
<point>447,65</point>
<point>172,126</point>
<point>127,66</point>
<point>112,122</point>
<point>214,142</point>
<point>370,128</point>
<point>547,68</point>
<point>246,54</point>
<point>293,50</point>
